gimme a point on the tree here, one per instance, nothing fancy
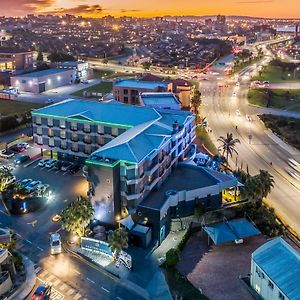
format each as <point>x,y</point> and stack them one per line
<point>266,181</point>
<point>196,101</point>
<point>146,65</point>
<point>40,57</point>
<point>59,56</point>
<point>105,61</point>
<point>5,178</point>
<point>172,257</point>
<point>228,145</point>
<point>19,191</point>
<point>77,216</point>
<point>118,240</point>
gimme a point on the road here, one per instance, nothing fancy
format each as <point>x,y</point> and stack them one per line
<point>72,278</point>
<point>219,106</point>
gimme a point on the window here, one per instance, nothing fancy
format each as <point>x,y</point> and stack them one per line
<point>51,143</point>
<point>114,131</point>
<point>38,120</point>
<point>281,296</point>
<point>270,285</point>
<point>107,130</point>
<point>86,127</point>
<point>39,131</point>
<point>257,288</point>
<point>63,145</point>
<point>125,91</point>
<point>50,132</point>
<point>100,129</point>
<point>74,137</point>
<point>73,126</point>
<point>100,140</point>
<point>40,140</point>
<point>75,147</point>
<point>87,149</point>
<point>87,139</point>
<point>50,122</point>
<point>125,99</point>
<point>259,273</point>
<point>63,134</point>
<point>62,124</point>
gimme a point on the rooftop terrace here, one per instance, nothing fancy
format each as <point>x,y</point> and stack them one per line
<point>149,85</point>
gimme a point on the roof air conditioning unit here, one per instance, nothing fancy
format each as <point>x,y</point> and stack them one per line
<point>239,241</point>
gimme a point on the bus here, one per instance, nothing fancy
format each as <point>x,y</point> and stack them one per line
<point>294,164</point>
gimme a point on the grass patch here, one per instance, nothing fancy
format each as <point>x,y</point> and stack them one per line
<point>276,74</point>
<point>288,129</point>
<point>240,66</point>
<point>108,74</point>
<point>206,141</point>
<point>276,98</point>
<point>102,87</point>
<point>13,107</point>
<point>180,287</point>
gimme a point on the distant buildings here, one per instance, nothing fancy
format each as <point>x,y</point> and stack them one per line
<point>16,61</point>
<point>128,91</point>
<point>275,271</point>
<point>41,81</point>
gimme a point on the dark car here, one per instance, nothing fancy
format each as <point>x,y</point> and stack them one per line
<point>74,168</point>
<point>42,292</point>
<point>17,149</point>
<point>58,165</point>
<point>65,166</point>
<point>21,159</point>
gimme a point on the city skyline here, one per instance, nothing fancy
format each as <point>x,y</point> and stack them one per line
<point>94,8</point>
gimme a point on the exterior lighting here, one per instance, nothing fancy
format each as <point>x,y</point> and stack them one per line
<point>49,81</point>
<point>58,78</point>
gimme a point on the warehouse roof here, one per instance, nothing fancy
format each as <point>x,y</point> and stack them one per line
<point>42,73</point>
<point>150,85</point>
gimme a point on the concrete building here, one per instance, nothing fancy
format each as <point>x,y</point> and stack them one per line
<point>83,72</point>
<point>275,271</point>
<point>38,82</point>
<point>128,91</point>
<point>17,61</point>
<point>165,100</point>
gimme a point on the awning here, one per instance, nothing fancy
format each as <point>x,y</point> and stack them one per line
<point>127,222</point>
<point>229,231</point>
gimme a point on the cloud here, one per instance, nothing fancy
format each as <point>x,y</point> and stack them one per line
<point>254,2</point>
<point>124,10</point>
<point>83,9</point>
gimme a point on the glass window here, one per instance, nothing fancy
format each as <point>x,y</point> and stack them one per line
<point>114,131</point>
<point>51,142</point>
<point>63,134</point>
<point>86,127</point>
<point>125,99</point>
<point>107,130</point>
<point>38,120</point>
<point>280,295</point>
<point>40,140</point>
<point>100,140</point>
<point>75,147</point>
<point>63,145</point>
<point>87,149</point>
<point>39,131</point>
<point>74,137</point>
<point>62,124</point>
<point>271,285</point>
<point>50,132</point>
<point>50,122</point>
<point>100,129</point>
<point>73,126</point>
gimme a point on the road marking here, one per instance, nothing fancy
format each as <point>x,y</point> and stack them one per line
<point>77,272</point>
<point>27,241</point>
<point>70,292</point>
<point>90,280</point>
<point>77,296</point>
<point>56,282</point>
<point>104,289</point>
<point>18,234</point>
<point>40,248</point>
<point>51,276</point>
<point>119,298</point>
<point>63,287</point>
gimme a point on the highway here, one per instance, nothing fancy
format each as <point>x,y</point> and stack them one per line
<point>220,105</point>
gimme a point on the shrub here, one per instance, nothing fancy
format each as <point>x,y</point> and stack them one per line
<point>172,257</point>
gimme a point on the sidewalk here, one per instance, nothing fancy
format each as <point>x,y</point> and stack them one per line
<point>276,112</point>
<point>29,283</point>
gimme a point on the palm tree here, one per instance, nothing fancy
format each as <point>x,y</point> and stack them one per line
<point>252,188</point>
<point>118,240</point>
<point>77,216</point>
<point>5,178</point>
<point>267,182</point>
<point>228,145</point>
<point>196,101</point>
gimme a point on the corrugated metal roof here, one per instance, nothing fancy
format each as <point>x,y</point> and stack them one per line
<point>159,98</point>
<point>281,263</point>
<point>149,85</point>
<point>42,73</point>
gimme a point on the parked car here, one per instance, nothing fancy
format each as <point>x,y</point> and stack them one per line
<point>42,292</point>
<point>50,163</point>
<point>24,182</point>
<point>65,166</point>
<point>49,101</point>
<point>33,185</point>
<point>23,145</point>
<point>43,162</point>
<point>21,159</point>
<point>85,81</point>
<point>17,149</point>
<point>58,164</point>
<point>55,243</point>
<point>74,168</point>
<point>6,153</point>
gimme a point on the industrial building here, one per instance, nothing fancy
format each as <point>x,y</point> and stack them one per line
<point>83,72</point>
<point>41,81</point>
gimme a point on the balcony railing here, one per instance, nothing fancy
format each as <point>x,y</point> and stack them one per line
<point>73,128</point>
<point>87,130</point>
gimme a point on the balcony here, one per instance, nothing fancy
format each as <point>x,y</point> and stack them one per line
<point>86,130</point>
<point>73,128</point>
<point>152,169</point>
<point>87,140</point>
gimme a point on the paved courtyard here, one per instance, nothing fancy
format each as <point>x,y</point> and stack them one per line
<point>216,270</point>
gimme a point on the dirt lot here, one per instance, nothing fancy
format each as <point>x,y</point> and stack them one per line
<point>216,270</point>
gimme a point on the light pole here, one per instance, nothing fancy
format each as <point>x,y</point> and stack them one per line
<point>295,71</point>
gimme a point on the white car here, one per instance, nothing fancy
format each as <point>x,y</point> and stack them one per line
<point>50,163</point>
<point>237,112</point>
<point>6,153</point>
<point>55,243</point>
<point>23,145</point>
<point>249,118</point>
<point>24,182</point>
<point>43,162</point>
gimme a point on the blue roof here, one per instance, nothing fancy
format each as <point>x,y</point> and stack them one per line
<point>281,263</point>
<point>229,231</point>
<point>42,73</point>
<point>149,85</point>
<point>102,112</point>
<point>159,98</point>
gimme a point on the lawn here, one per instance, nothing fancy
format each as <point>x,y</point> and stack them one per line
<point>103,87</point>
<point>275,98</point>
<point>206,141</point>
<point>108,74</point>
<point>276,74</point>
<point>13,107</point>
<point>288,129</point>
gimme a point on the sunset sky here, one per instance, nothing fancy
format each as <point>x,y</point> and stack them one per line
<point>142,8</point>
